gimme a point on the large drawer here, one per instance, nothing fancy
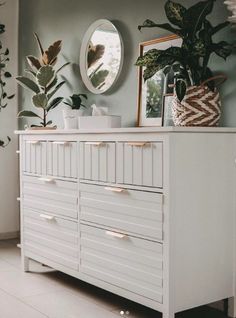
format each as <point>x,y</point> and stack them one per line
<point>133,211</point>
<point>97,161</point>
<point>51,237</point>
<point>54,158</point>
<point>128,262</point>
<point>140,163</point>
<point>50,195</point>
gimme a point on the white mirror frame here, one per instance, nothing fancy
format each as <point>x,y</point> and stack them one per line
<point>84,52</point>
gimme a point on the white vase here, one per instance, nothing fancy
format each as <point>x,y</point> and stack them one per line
<point>70,117</point>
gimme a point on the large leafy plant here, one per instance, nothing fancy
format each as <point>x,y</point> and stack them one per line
<point>190,61</point>
<point>4,75</point>
<point>44,83</point>
<point>75,101</point>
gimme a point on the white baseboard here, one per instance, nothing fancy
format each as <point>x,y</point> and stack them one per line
<point>9,235</point>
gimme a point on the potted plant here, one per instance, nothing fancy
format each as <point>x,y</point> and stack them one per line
<point>196,101</point>
<point>44,84</point>
<point>73,110</point>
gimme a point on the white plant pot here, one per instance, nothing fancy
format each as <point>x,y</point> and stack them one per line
<point>70,117</point>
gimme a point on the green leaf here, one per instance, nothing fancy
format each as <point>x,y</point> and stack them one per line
<point>56,89</point>
<point>148,58</point>
<point>219,27</point>
<point>51,53</point>
<point>39,44</point>
<point>180,89</point>
<point>28,83</point>
<point>45,76</point>
<point>76,101</point>
<point>166,26</point>
<point>11,96</point>
<point>33,62</point>
<point>49,122</point>
<point>175,13</point>
<point>40,100</point>
<point>27,113</point>
<point>30,72</point>
<point>6,52</point>
<point>7,74</point>
<point>64,65</point>
<point>195,16</point>
<point>222,49</point>
<point>54,82</point>
<point>54,103</point>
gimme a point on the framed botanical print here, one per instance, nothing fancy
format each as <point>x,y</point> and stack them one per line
<point>151,93</point>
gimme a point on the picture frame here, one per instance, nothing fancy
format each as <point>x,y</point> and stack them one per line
<point>151,93</point>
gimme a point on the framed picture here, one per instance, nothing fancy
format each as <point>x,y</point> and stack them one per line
<point>151,93</point>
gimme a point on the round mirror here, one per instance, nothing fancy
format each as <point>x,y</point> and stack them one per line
<point>101,56</point>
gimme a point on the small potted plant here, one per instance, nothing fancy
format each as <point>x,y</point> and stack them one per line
<point>196,101</point>
<point>44,84</point>
<point>73,110</point>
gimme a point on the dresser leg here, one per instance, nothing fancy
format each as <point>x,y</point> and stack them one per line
<point>25,263</point>
<point>232,307</point>
<point>168,314</point>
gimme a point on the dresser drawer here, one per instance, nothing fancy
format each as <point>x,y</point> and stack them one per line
<point>97,161</point>
<point>50,195</point>
<point>140,163</point>
<point>34,157</point>
<point>62,159</point>
<point>51,237</point>
<point>133,211</point>
<point>124,261</point>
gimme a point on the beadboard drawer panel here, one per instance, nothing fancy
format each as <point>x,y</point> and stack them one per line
<point>125,261</point>
<point>62,159</point>
<point>136,212</point>
<point>34,157</point>
<point>50,195</point>
<point>140,163</point>
<point>97,161</point>
<point>51,237</point>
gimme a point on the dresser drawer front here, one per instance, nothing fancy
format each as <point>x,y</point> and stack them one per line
<point>97,161</point>
<point>136,212</point>
<point>34,157</point>
<point>51,237</point>
<point>140,163</point>
<point>62,159</point>
<point>130,263</point>
<point>50,195</point>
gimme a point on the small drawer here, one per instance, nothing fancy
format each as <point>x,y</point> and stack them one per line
<point>51,237</point>
<point>128,262</point>
<point>133,211</point>
<point>34,157</point>
<point>50,195</point>
<point>62,159</point>
<point>97,161</point>
<point>140,163</point>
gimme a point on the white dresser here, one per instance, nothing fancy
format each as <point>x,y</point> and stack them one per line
<point>148,214</point>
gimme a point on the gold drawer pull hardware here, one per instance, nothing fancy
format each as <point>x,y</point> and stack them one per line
<point>137,144</point>
<point>114,234</point>
<point>118,190</point>
<point>49,180</point>
<point>94,143</point>
<point>33,142</point>
<point>62,143</point>
<point>47,217</point>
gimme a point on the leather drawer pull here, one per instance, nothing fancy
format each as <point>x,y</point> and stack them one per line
<point>33,142</point>
<point>137,144</point>
<point>118,190</point>
<point>94,143</point>
<point>62,143</point>
<point>114,234</point>
<point>48,180</point>
<point>47,217</point>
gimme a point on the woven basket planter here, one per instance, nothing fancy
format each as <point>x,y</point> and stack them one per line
<point>200,107</point>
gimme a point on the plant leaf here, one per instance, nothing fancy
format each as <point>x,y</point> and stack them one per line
<point>166,26</point>
<point>27,113</point>
<point>54,103</point>
<point>39,44</point>
<point>51,53</point>
<point>148,58</point>
<point>219,27</point>
<point>30,72</point>
<point>11,96</point>
<point>175,13</point>
<point>56,89</point>
<point>7,74</point>
<point>64,65</point>
<point>45,76</point>
<point>33,62</point>
<point>180,89</point>
<point>28,83</point>
<point>40,100</point>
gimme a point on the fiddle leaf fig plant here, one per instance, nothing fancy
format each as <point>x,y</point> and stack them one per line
<point>190,62</point>
<point>44,83</point>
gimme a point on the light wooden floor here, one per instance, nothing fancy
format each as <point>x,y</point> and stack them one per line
<point>46,293</point>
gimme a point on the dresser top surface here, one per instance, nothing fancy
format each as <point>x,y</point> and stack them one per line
<point>130,130</point>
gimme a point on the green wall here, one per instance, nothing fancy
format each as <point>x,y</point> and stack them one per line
<point>68,20</point>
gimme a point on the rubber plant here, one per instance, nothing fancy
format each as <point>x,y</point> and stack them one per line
<point>44,83</point>
<point>4,75</point>
<point>190,62</point>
